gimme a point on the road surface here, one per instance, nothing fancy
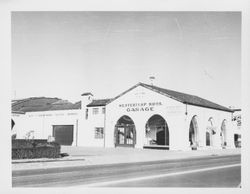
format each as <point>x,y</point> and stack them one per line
<point>212,171</point>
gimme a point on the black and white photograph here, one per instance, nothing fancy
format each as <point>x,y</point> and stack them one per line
<point>126,99</point>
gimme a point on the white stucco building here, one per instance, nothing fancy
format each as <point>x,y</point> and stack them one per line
<point>144,116</point>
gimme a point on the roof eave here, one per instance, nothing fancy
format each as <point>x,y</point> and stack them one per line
<point>123,93</point>
<point>161,93</point>
<point>145,86</point>
<point>96,105</point>
<point>226,110</point>
<point>17,112</point>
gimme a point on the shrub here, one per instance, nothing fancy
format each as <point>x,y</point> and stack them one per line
<point>22,149</point>
<point>24,143</point>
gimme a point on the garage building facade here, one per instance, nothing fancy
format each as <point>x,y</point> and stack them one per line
<point>157,117</point>
<point>144,116</point>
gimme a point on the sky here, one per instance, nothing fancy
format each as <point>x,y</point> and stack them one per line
<point>65,54</point>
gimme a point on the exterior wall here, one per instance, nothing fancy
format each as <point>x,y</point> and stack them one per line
<point>177,115</point>
<point>171,110</point>
<point>143,104</point>
<point>203,115</point>
<point>19,128</point>
<point>42,123</point>
<point>87,127</point>
<point>237,126</point>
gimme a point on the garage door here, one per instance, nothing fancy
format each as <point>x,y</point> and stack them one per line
<point>63,134</point>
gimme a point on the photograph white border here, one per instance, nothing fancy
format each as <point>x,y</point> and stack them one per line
<point>6,6</point>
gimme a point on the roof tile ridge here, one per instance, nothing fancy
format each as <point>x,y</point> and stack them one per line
<point>102,99</point>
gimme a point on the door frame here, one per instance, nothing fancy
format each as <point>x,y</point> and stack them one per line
<point>126,127</point>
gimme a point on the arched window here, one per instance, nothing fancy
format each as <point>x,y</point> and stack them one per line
<point>125,133</point>
<point>208,138</point>
<point>193,133</point>
<point>156,131</point>
<point>210,131</point>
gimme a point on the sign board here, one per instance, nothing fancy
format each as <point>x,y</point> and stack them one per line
<point>140,107</point>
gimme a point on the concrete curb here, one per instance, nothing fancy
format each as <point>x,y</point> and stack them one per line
<point>21,161</point>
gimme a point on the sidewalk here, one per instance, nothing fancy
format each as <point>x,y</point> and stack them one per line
<point>82,156</point>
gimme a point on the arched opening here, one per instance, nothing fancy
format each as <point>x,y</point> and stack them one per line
<point>193,133</point>
<point>125,133</point>
<point>157,133</point>
<point>210,132</point>
<point>223,133</point>
<point>208,139</point>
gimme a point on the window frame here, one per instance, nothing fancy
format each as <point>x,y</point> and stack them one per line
<point>86,113</point>
<point>95,111</point>
<point>99,133</point>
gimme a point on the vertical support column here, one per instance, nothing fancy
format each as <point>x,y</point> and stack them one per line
<point>140,133</point>
<point>230,135</point>
<point>185,134</point>
<point>178,134</point>
<point>76,132</point>
<point>202,133</point>
<point>216,138</point>
<point>109,133</point>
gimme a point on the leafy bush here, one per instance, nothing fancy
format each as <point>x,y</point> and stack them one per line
<point>25,143</point>
<point>22,149</point>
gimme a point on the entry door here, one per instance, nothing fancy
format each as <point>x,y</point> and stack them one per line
<point>125,136</point>
<point>162,136</point>
<point>63,134</point>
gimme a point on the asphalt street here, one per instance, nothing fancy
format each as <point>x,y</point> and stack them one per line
<point>212,171</point>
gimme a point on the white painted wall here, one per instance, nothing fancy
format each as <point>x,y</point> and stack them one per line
<point>87,128</point>
<point>203,115</point>
<point>20,127</point>
<point>172,111</point>
<point>175,115</point>
<point>42,123</point>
